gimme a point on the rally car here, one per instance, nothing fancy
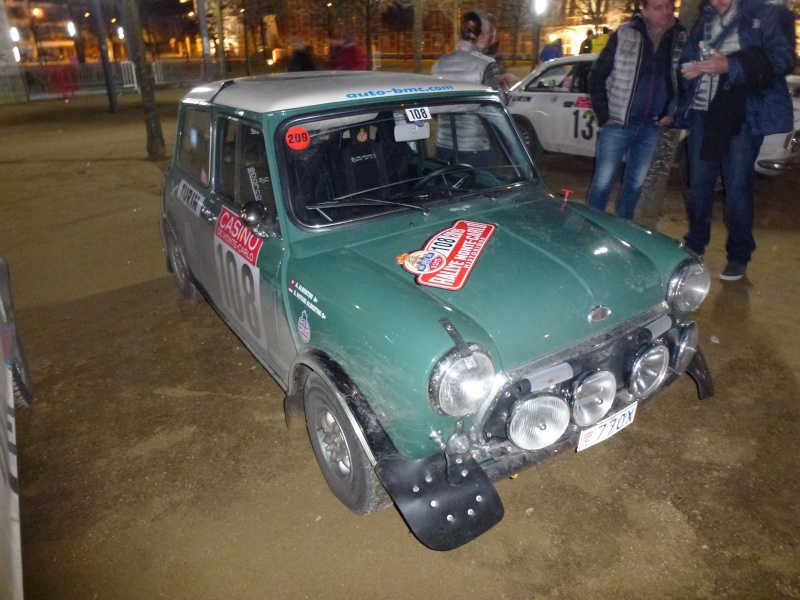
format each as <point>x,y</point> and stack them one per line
<point>385,247</point>
<point>553,111</point>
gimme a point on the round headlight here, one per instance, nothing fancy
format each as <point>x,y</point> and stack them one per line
<point>460,384</point>
<point>592,397</point>
<point>689,286</point>
<point>649,370</point>
<point>538,422</point>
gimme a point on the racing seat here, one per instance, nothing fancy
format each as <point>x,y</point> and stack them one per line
<point>362,163</point>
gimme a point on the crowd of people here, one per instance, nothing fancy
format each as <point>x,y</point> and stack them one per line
<point>723,81</point>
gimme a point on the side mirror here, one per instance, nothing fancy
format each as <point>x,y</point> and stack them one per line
<point>254,217</point>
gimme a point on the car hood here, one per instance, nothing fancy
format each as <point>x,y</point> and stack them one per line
<point>543,271</point>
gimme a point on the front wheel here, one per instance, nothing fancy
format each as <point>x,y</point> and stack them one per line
<point>177,265</point>
<point>528,135</point>
<point>341,459</point>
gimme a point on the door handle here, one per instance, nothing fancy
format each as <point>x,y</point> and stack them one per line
<point>568,103</point>
<point>207,213</point>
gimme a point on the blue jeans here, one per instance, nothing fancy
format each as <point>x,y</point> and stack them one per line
<point>639,142</point>
<point>738,172</point>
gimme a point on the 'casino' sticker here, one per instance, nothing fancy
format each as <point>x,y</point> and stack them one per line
<point>297,138</point>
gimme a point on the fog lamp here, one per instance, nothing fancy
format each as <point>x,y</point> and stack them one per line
<point>648,370</point>
<point>538,422</point>
<point>592,397</point>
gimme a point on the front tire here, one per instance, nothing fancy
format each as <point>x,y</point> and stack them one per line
<point>528,134</point>
<point>341,459</point>
<point>183,278</point>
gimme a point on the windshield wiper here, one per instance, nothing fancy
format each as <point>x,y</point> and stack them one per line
<point>366,202</point>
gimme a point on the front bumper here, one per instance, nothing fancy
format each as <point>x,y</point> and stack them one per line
<point>448,500</point>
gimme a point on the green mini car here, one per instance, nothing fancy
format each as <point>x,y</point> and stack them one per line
<point>385,247</point>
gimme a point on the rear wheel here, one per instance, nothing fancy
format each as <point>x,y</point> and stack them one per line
<point>344,464</point>
<point>528,134</point>
<point>177,265</point>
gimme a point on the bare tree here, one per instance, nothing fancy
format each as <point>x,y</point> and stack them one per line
<point>156,148</point>
<point>367,10</point>
<point>517,14</point>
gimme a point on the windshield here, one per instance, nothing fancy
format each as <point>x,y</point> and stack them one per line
<point>340,167</point>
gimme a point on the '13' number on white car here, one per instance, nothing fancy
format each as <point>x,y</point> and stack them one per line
<point>587,130</point>
<point>240,290</point>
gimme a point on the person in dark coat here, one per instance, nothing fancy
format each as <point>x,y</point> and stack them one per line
<point>586,45</point>
<point>302,58</point>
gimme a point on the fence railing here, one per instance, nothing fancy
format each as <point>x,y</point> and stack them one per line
<point>38,82</point>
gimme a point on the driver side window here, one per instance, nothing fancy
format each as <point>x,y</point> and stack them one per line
<point>555,79</point>
<point>242,166</point>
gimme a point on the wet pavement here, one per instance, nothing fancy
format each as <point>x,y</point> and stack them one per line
<point>155,462</point>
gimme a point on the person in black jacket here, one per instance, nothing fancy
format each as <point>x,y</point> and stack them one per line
<point>633,86</point>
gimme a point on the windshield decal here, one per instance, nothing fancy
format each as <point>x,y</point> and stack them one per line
<point>393,91</point>
<point>449,256</point>
<point>297,138</point>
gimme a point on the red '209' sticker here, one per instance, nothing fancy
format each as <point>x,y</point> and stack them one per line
<point>297,138</point>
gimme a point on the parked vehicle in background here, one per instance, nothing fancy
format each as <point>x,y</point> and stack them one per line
<point>553,112</point>
<point>386,249</point>
<point>14,389</point>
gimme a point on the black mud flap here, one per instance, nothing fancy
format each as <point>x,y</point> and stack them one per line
<point>698,370</point>
<point>441,515</point>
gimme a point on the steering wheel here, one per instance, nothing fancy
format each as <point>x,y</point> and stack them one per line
<point>441,172</point>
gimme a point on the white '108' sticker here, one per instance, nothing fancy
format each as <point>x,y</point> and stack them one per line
<point>420,113</point>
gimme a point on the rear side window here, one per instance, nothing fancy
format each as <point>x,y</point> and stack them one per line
<point>194,148</point>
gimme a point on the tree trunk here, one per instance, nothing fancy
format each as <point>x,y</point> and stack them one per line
<point>202,20</point>
<point>419,8</point>
<point>156,148</point>
<point>651,202</point>
<point>223,63</point>
<point>102,40</point>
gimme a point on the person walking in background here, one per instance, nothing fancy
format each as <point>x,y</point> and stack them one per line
<point>633,86</point>
<point>302,57</point>
<point>586,45</point>
<point>552,50</point>
<point>601,39</point>
<point>349,56</point>
<point>733,93</point>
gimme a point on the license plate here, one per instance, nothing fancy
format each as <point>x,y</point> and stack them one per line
<point>607,427</point>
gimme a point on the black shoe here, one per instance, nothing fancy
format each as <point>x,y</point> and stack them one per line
<point>733,271</point>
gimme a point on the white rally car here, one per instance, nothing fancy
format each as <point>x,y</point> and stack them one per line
<point>553,112</point>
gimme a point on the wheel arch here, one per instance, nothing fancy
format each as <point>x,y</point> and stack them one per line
<point>370,433</point>
<point>526,128</point>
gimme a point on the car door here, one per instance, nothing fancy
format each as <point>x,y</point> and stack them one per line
<point>246,262</point>
<point>579,124</point>
<point>188,189</point>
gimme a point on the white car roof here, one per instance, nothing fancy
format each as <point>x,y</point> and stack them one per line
<point>283,91</point>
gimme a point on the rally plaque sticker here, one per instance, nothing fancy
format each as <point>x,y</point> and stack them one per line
<point>236,251</point>
<point>448,258</point>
